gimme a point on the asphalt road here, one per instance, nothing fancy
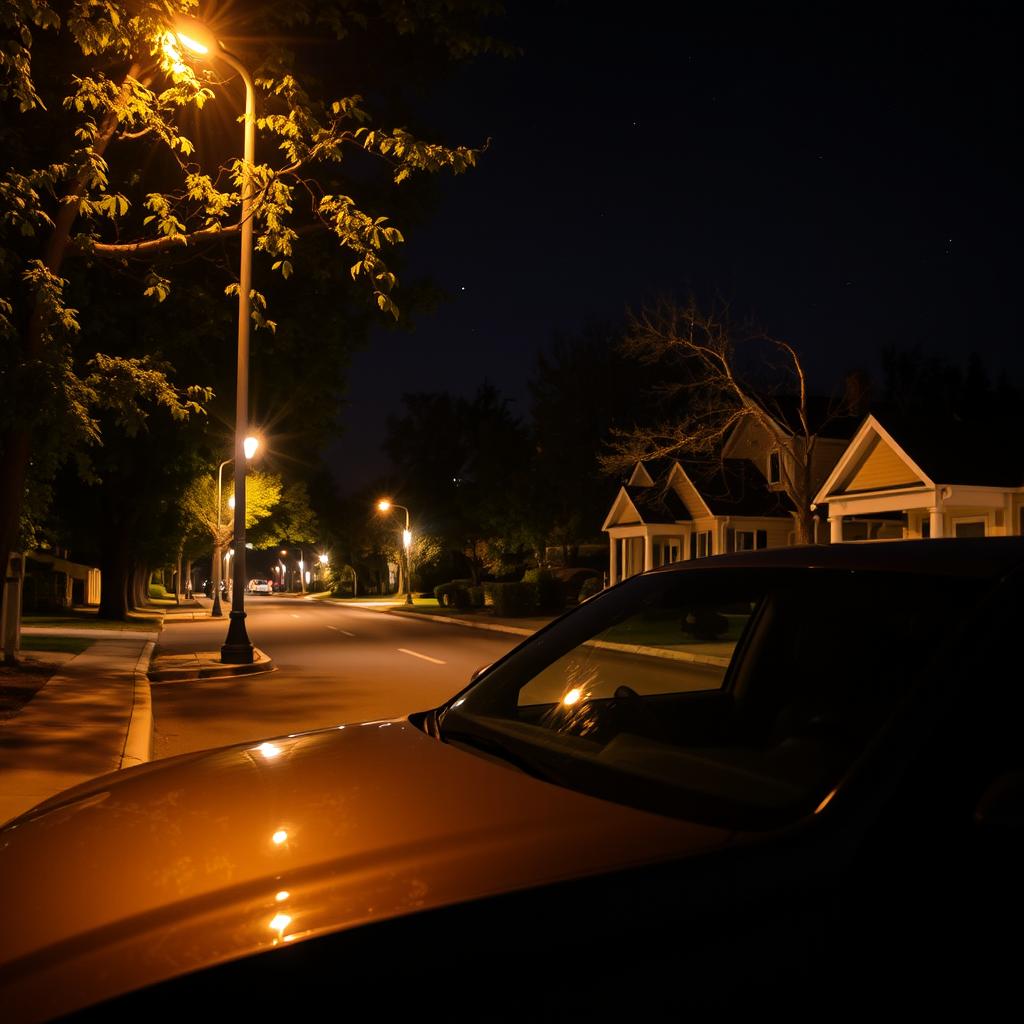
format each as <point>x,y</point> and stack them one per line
<point>334,664</point>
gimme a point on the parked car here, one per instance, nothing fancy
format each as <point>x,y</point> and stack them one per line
<point>259,587</point>
<point>789,781</point>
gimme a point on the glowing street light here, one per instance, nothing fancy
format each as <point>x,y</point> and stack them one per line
<point>386,505</point>
<point>302,567</point>
<point>197,40</point>
<point>250,446</point>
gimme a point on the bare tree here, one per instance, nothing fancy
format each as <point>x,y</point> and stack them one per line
<point>721,377</point>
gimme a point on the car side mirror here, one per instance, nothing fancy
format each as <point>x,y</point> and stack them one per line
<point>1002,803</point>
<point>479,672</point>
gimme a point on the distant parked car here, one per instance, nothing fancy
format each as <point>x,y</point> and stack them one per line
<point>787,782</point>
<point>259,587</point>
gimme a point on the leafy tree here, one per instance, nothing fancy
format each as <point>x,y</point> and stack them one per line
<point>290,521</point>
<point>213,522</point>
<point>724,375</point>
<point>91,91</point>
<point>262,495</point>
<point>462,466</point>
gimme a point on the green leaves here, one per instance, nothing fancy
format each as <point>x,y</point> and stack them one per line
<point>130,388</point>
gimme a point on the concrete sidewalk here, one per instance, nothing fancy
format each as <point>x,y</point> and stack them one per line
<point>93,716</point>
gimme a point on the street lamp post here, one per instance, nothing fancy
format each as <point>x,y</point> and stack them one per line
<point>237,648</point>
<point>385,505</point>
<point>250,446</point>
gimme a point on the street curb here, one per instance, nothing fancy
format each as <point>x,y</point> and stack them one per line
<point>214,672</point>
<point>138,742</point>
<point>494,627</point>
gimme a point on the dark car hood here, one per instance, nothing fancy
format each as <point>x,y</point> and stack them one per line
<point>142,875</point>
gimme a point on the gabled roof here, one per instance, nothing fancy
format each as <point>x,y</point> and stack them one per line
<point>684,492</point>
<point>734,487</point>
<point>641,476</point>
<point>924,452</point>
<point>657,504</point>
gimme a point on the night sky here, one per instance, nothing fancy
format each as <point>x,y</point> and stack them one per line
<point>842,176</point>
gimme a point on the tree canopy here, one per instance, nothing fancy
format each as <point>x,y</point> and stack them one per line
<point>121,160</point>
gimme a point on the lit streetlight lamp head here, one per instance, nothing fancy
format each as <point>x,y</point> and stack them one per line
<point>231,502</point>
<point>407,539</point>
<point>250,446</point>
<point>323,559</point>
<point>383,505</point>
<point>193,36</point>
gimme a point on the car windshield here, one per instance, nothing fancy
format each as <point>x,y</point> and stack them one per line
<point>735,697</point>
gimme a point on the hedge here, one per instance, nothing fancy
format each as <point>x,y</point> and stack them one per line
<point>512,600</point>
<point>454,594</point>
<point>550,591</point>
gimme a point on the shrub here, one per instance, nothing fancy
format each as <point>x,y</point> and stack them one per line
<point>550,592</point>
<point>590,587</point>
<point>158,590</point>
<point>454,594</point>
<point>514,599</point>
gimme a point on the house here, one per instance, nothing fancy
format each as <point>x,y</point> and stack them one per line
<point>54,582</point>
<point>741,503</point>
<point>926,477</point>
<point>669,512</point>
<point>775,442</point>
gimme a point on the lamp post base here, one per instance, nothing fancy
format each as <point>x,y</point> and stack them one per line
<point>408,598</point>
<point>215,611</point>
<point>237,649</point>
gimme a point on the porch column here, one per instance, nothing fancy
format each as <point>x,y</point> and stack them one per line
<point>613,560</point>
<point>835,525</point>
<point>648,552</point>
<point>935,522</point>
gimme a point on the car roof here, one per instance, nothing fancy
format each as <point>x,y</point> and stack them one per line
<point>970,558</point>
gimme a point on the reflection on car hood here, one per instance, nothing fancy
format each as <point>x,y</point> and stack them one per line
<point>143,875</point>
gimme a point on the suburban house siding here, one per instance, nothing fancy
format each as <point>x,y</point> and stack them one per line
<point>882,469</point>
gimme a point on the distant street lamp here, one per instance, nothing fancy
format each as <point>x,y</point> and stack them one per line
<point>385,505</point>
<point>302,568</point>
<point>193,36</point>
<point>250,446</point>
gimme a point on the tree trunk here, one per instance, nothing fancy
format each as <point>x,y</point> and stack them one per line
<point>115,569</point>
<point>141,575</point>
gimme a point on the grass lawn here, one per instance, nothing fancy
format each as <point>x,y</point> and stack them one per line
<point>85,619</point>
<point>664,629</point>
<point>64,644</point>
